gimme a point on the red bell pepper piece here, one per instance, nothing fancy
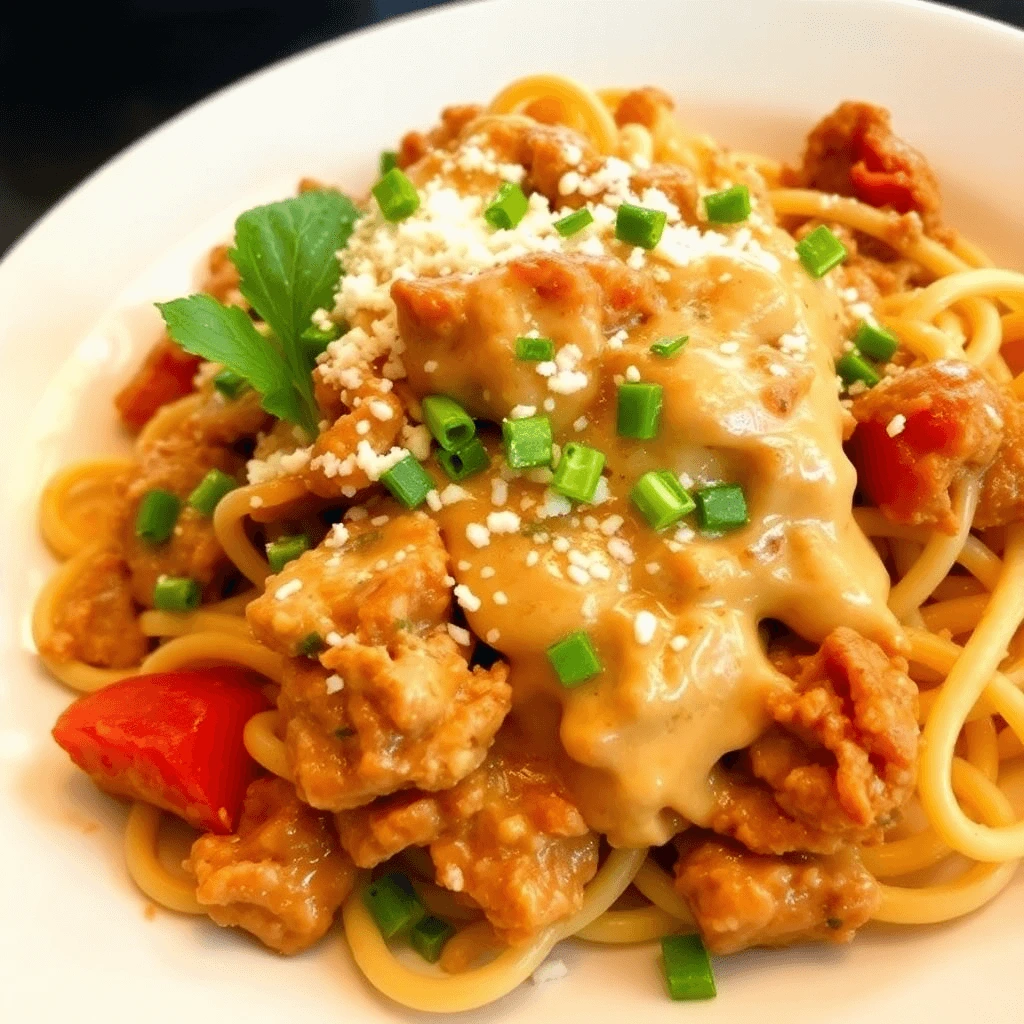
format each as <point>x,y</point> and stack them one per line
<point>173,739</point>
<point>165,376</point>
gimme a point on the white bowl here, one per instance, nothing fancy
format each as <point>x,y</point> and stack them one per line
<point>75,313</point>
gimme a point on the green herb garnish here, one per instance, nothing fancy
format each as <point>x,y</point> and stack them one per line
<point>286,255</point>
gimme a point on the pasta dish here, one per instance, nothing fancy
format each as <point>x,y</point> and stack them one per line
<point>594,532</point>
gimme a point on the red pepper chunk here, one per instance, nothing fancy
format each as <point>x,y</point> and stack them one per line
<point>173,739</point>
<point>165,376</point>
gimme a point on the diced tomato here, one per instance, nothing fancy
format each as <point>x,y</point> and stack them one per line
<point>165,376</point>
<point>173,739</point>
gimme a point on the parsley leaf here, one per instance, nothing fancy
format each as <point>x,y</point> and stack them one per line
<point>286,255</point>
<point>225,334</point>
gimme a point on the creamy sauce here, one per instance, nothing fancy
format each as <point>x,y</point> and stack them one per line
<point>640,740</point>
<point>751,399</point>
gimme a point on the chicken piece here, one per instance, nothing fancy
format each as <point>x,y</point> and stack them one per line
<point>844,755</point>
<point>341,453</point>
<point>416,145</point>
<point>176,463</point>
<point>918,432</point>
<point>95,621</point>
<point>389,717</point>
<point>281,876</point>
<point>467,326</point>
<point>743,899</point>
<point>381,578</point>
<point>644,106</point>
<point>1002,492</point>
<point>746,811</point>
<point>854,152</point>
<point>217,421</point>
<point>508,836</point>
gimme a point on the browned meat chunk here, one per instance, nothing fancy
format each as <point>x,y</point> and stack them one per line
<point>219,422</point>
<point>854,152</point>
<point>281,876</point>
<point>468,326</point>
<point>416,145</point>
<point>845,753</point>
<point>372,423</point>
<point>746,811</point>
<point>175,463</point>
<point>95,620</point>
<point>743,899</point>
<point>1002,492</point>
<point>917,432</point>
<point>838,764</point>
<point>411,713</point>
<point>644,106</point>
<point>509,836</point>
<point>383,578</point>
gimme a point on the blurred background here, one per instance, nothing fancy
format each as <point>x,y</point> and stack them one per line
<point>78,85</point>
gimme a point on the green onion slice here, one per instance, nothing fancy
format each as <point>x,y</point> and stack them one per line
<point>527,442</point>
<point>157,515</point>
<point>205,498</point>
<point>396,196</point>
<point>408,481</point>
<point>286,549</point>
<point>639,410</point>
<point>450,424</point>
<point>574,659</point>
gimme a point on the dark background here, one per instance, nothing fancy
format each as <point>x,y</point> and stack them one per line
<point>76,88</point>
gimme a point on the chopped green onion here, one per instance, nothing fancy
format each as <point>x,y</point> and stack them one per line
<point>310,645</point>
<point>314,340</point>
<point>636,225</point>
<point>687,967</point>
<point>230,384</point>
<point>467,461</point>
<point>429,936</point>
<point>211,489</point>
<point>573,222</point>
<point>396,196</point>
<point>876,342</point>
<point>507,208</point>
<point>158,512</point>
<point>820,251</point>
<point>574,659</point>
<point>639,410</point>
<point>393,903</point>
<point>578,472</point>
<point>408,481</point>
<point>388,161</point>
<point>176,594</point>
<point>729,206</point>
<point>669,346</point>
<point>535,350</point>
<point>853,367</point>
<point>661,498</point>
<point>721,507</point>
<point>450,424</point>
<point>285,550</point>
<point>527,442</point>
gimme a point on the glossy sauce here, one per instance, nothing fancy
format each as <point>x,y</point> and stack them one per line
<point>640,740</point>
<point>638,743</point>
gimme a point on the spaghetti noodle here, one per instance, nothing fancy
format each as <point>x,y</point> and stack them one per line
<point>634,593</point>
